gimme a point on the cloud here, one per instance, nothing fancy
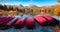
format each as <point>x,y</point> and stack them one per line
<point>17,3</point>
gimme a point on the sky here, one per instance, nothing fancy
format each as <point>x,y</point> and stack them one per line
<point>27,2</point>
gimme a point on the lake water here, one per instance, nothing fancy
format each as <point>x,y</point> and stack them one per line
<point>37,29</point>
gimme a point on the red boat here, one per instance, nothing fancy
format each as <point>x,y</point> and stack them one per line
<point>20,23</point>
<point>2,18</point>
<point>11,22</point>
<point>42,21</point>
<point>30,23</point>
<point>49,18</point>
<point>4,21</point>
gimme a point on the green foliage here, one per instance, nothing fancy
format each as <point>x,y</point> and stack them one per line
<point>10,8</point>
<point>4,7</point>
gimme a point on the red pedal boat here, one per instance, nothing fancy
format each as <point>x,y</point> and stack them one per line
<point>4,21</point>
<point>30,24</point>
<point>42,21</point>
<point>20,23</point>
<point>11,22</point>
<point>2,18</point>
<point>52,21</point>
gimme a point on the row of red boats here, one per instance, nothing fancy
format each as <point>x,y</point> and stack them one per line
<point>29,22</point>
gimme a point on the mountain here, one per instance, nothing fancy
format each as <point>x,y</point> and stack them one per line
<point>56,5</point>
<point>31,6</point>
<point>20,6</point>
